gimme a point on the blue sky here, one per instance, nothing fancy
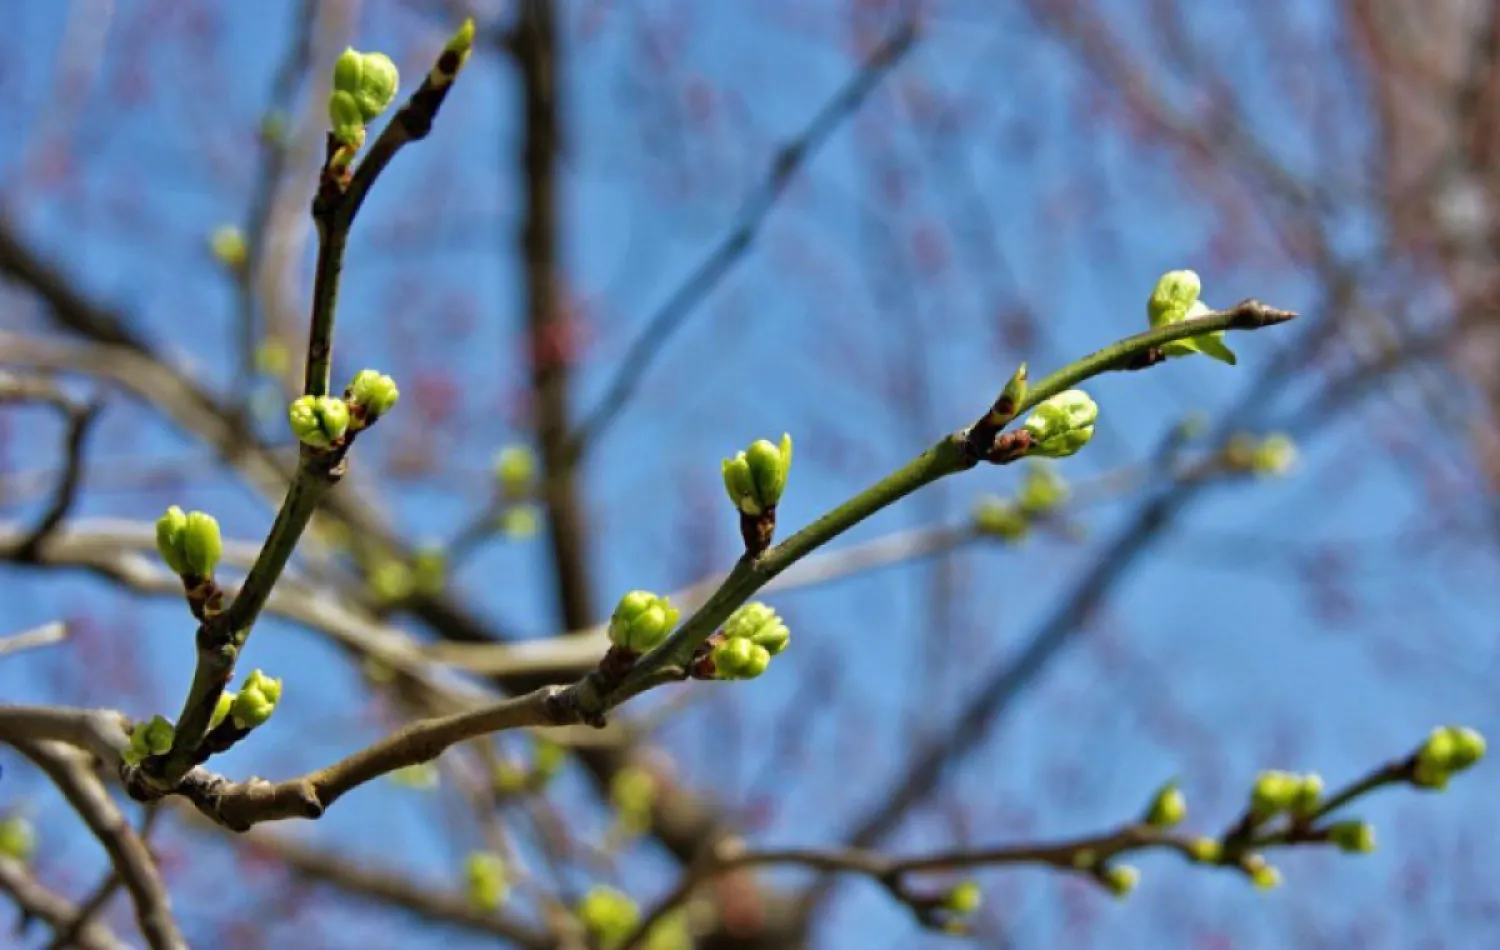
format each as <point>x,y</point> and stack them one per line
<point>1213,658</point>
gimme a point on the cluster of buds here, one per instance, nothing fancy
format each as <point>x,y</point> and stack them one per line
<point>364,86</point>
<point>319,421</point>
<point>1275,792</point>
<point>1263,875</point>
<point>751,636</point>
<point>1062,425</point>
<point>486,880</point>
<point>255,702</point>
<point>323,422</point>
<point>148,739</point>
<point>755,479</point>
<point>1272,456</point>
<point>370,395</point>
<point>641,621</point>
<point>1175,299</point>
<point>608,915</point>
<point>1447,751</point>
<point>189,542</point>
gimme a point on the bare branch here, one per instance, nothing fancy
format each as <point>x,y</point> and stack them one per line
<point>45,635</point>
<point>69,770</point>
<point>55,910</point>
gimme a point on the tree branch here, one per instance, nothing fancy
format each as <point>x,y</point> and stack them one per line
<point>68,768</point>
<point>55,910</point>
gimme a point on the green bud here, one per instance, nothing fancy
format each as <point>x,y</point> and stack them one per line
<point>1434,759</point>
<point>965,898</point>
<point>345,119</point>
<point>1272,793</point>
<point>1168,807</point>
<point>221,709</point>
<point>547,759</point>
<point>740,485</point>
<point>756,477</point>
<point>460,44</point>
<point>739,659</point>
<point>201,544</point>
<point>1262,875</point>
<point>462,40</point>
<point>391,582</point>
<point>1275,455</point>
<point>169,529</point>
<point>1354,837</point>
<point>608,915</point>
<point>256,701</point>
<point>1084,858</point>
<point>1448,749</point>
<point>1468,748</point>
<point>1175,299</point>
<point>641,621</point>
<point>487,885</point>
<point>149,738</point>
<point>1011,398</point>
<point>228,246</point>
<point>370,79</point>
<point>1205,850</point>
<point>17,838</point>
<point>520,522</point>
<point>1307,795</point>
<point>429,570</point>
<point>1175,293</point>
<point>515,467</point>
<point>760,625</point>
<point>632,792</point>
<point>1063,424</point>
<point>1042,489</point>
<point>997,517</point>
<point>374,393</point>
<point>1121,879</point>
<point>318,421</point>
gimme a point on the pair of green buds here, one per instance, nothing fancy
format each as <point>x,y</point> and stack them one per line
<point>321,421</point>
<point>252,705</point>
<point>1447,751</point>
<point>1275,792</point>
<point>487,879</point>
<point>365,84</point>
<point>189,542</point>
<point>751,636</point>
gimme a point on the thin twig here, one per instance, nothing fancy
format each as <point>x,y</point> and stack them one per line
<point>69,770</point>
<point>788,160</point>
<point>80,418</point>
<point>39,903</point>
<point>1088,855</point>
<point>43,636</point>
